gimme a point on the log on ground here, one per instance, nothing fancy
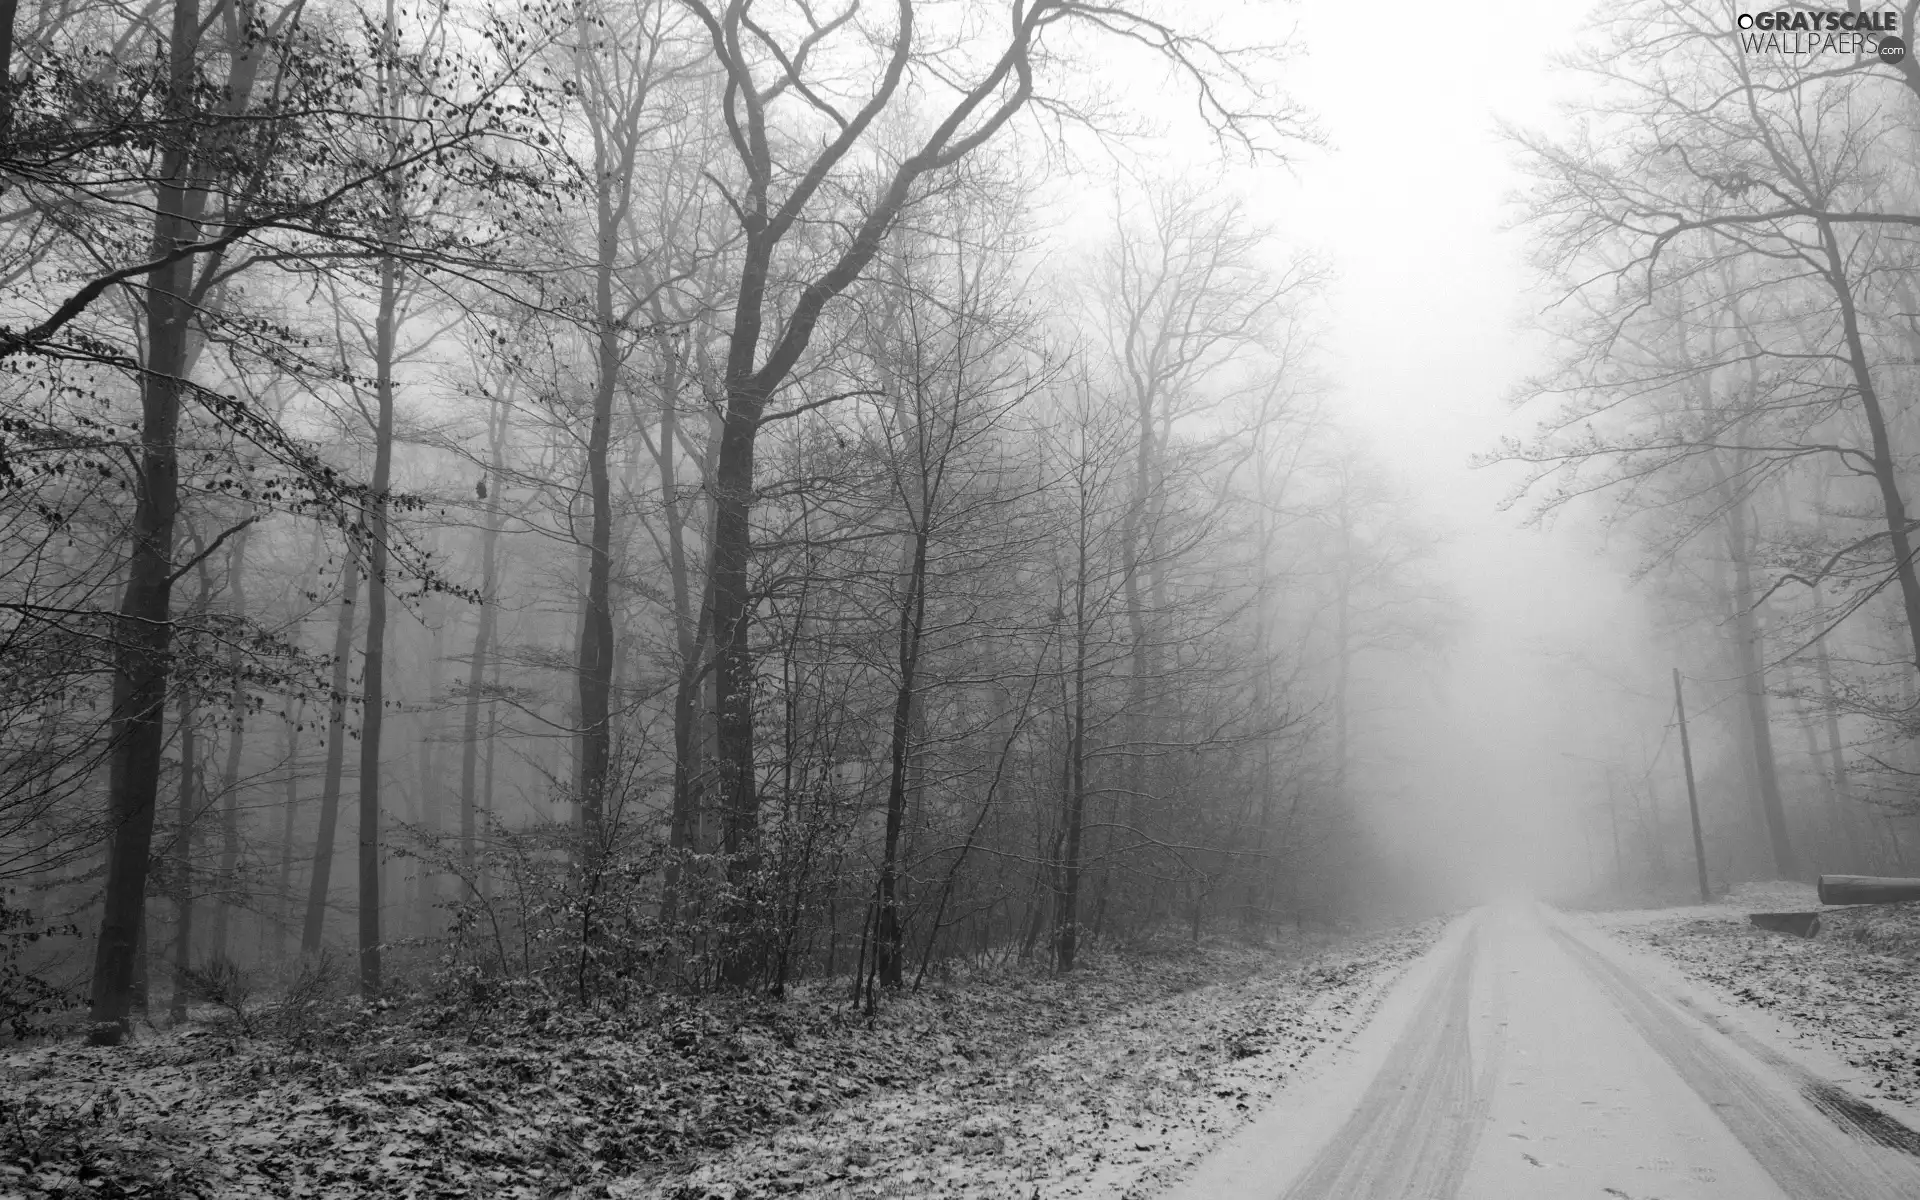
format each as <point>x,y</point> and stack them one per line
<point>1867,889</point>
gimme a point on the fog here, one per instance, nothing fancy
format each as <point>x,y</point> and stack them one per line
<point>886,598</point>
<point>1431,329</point>
<point>640,496</point>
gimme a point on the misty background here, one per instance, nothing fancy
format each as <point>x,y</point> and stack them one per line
<point>1431,332</point>
<point>648,495</point>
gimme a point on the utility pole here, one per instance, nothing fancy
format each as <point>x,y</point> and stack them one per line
<point>1613,822</point>
<point>1693,798</point>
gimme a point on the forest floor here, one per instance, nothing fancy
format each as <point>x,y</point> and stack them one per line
<point>1855,988</point>
<point>1004,1082</point>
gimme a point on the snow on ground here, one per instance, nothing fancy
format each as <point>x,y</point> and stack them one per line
<point>1108,1075</point>
<point>1855,988</point>
<point>1112,1109</point>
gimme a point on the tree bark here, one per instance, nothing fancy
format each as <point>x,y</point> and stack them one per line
<point>426,898</point>
<point>1343,641</point>
<point>144,630</point>
<point>1073,811</point>
<point>1836,751</point>
<point>733,488</point>
<point>1835,827</point>
<point>290,808</point>
<point>1753,681</point>
<point>618,88</point>
<point>1867,889</point>
<point>731,607</point>
<point>320,882</point>
<point>595,670</point>
<point>373,694</point>
<point>690,635</point>
<point>494,480</point>
<point>912,622</point>
<point>183,861</point>
<point>486,784</point>
<point>143,967</point>
<point>236,739</point>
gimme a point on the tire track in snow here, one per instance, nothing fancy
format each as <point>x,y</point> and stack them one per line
<point>1416,1127</point>
<point>1852,1114</point>
<point>1802,1154</point>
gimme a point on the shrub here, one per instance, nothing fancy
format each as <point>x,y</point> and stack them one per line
<point>27,996</point>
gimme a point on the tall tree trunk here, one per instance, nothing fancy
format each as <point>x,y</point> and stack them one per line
<point>1073,815</point>
<point>1751,659</point>
<point>290,808</point>
<point>731,605</point>
<point>1835,827</point>
<point>1836,750</point>
<point>427,881</point>
<point>596,661</point>
<point>1137,551</point>
<point>230,775</point>
<point>595,672</point>
<point>688,743</point>
<point>1342,643</point>
<point>1749,655</point>
<point>483,632</point>
<point>183,861</point>
<point>618,103</point>
<point>486,785</point>
<point>1258,909</point>
<point>690,633</point>
<point>320,882</point>
<point>144,630</point>
<point>373,695</point>
<point>143,968</point>
<point>913,614</point>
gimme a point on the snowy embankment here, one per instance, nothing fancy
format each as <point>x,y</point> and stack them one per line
<point>1855,988</point>
<point>1002,1083</point>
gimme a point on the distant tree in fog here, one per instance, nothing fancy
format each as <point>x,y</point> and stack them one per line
<point>1725,232</point>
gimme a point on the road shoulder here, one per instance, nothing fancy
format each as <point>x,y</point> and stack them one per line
<point>1844,1006</point>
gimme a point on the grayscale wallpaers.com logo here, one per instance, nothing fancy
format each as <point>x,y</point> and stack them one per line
<point>1808,31</point>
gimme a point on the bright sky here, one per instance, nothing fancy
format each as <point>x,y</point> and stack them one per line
<point>1427,341</point>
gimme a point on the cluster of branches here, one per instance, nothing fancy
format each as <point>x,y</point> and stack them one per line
<point>1730,239</point>
<point>799,593</point>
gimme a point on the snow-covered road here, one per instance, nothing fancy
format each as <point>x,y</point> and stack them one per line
<point>1530,1056</point>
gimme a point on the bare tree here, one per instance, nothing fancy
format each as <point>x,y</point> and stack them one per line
<point>766,72</point>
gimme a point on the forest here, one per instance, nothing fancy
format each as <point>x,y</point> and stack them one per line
<point>627,496</point>
<point>777,551</point>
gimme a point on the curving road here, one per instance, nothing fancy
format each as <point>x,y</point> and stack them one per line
<point>1530,1057</point>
